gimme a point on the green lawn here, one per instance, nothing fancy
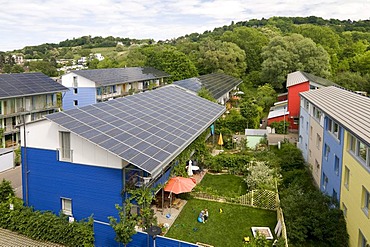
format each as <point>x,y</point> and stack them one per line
<point>225,184</point>
<point>222,229</point>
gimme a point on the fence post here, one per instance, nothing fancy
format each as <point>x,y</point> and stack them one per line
<point>252,198</point>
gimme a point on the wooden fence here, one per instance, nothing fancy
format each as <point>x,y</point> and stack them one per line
<point>265,199</point>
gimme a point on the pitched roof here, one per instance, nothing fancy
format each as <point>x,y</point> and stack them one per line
<point>26,84</point>
<point>299,77</point>
<point>148,129</point>
<point>349,109</point>
<point>121,75</point>
<point>216,83</point>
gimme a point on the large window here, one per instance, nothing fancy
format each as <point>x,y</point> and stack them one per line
<point>365,201</point>
<point>360,150</point>
<point>75,83</point>
<point>325,181</point>
<point>346,177</point>
<point>67,206</point>
<point>333,128</point>
<point>317,113</point>
<point>65,146</point>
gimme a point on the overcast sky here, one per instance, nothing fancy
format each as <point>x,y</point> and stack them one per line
<point>34,22</point>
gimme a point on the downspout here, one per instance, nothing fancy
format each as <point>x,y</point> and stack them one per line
<point>25,159</point>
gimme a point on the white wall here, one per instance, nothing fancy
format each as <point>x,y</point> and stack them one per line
<point>44,134</point>
<point>6,161</point>
<point>67,81</point>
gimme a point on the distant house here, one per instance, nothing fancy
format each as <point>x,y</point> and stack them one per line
<point>79,161</point>
<point>219,85</point>
<point>25,95</point>
<point>296,82</point>
<point>98,85</point>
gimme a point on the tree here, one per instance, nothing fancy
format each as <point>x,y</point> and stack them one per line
<point>204,93</point>
<point>125,227</point>
<point>260,176</point>
<point>217,56</point>
<point>251,112</point>
<point>251,40</point>
<point>6,190</point>
<point>353,81</point>
<point>44,67</point>
<point>287,54</point>
<point>266,97</point>
<point>170,60</point>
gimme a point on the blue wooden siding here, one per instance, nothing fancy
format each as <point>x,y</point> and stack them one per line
<point>93,190</point>
<point>85,96</point>
<point>328,164</point>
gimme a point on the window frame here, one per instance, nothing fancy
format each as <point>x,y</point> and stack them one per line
<point>365,202</point>
<point>346,177</point>
<point>65,151</point>
<point>64,203</point>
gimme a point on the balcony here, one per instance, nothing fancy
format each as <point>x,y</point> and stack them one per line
<point>108,96</point>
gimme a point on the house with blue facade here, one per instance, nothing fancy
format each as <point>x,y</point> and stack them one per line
<point>79,161</point>
<point>331,135</point>
<point>98,85</point>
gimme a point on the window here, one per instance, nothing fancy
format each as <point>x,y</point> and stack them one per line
<point>365,201</point>
<point>327,151</point>
<point>65,145</point>
<point>311,132</point>
<point>307,105</point>
<point>333,128</point>
<point>75,84</point>
<point>362,240</point>
<point>344,207</point>
<point>75,90</point>
<point>67,206</point>
<point>325,181</point>
<point>75,102</point>
<point>316,113</point>
<point>335,195</point>
<point>307,127</point>
<point>359,150</point>
<point>317,164</point>
<point>336,165</point>
<point>346,177</point>
<point>318,141</point>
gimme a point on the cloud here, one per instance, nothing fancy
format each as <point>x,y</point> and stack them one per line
<point>34,22</point>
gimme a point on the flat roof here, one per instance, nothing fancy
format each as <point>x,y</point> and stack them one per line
<point>299,77</point>
<point>147,129</point>
<point>349,109</point>
<point>27,84</point>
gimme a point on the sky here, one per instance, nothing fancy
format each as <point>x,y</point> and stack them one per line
<point>35,22</point>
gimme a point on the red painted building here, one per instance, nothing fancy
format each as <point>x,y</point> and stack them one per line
<point>297,82</point>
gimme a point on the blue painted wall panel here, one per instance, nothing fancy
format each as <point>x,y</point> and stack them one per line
<point>304,130</point>
<point>85,96</point>
<point>328,164</point>
<point>93,190</point>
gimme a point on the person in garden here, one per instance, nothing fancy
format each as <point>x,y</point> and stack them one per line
<point>201,217</point>
<point>205,215</point>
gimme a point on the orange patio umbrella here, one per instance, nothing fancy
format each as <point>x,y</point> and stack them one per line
<point>178,185</point>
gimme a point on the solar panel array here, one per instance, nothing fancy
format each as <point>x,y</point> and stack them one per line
<point>23,84</point>
<point>192,84</point>
<point>121,75</point>
<point>216,83</point>
<point>148,129</point>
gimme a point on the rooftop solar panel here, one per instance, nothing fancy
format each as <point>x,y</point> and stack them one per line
<point>121,75</point>
<point>152,133</point>
<point>27,84</point>
<point>216,83</point>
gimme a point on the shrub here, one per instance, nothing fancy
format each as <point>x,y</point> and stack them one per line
<point>6,190</point>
